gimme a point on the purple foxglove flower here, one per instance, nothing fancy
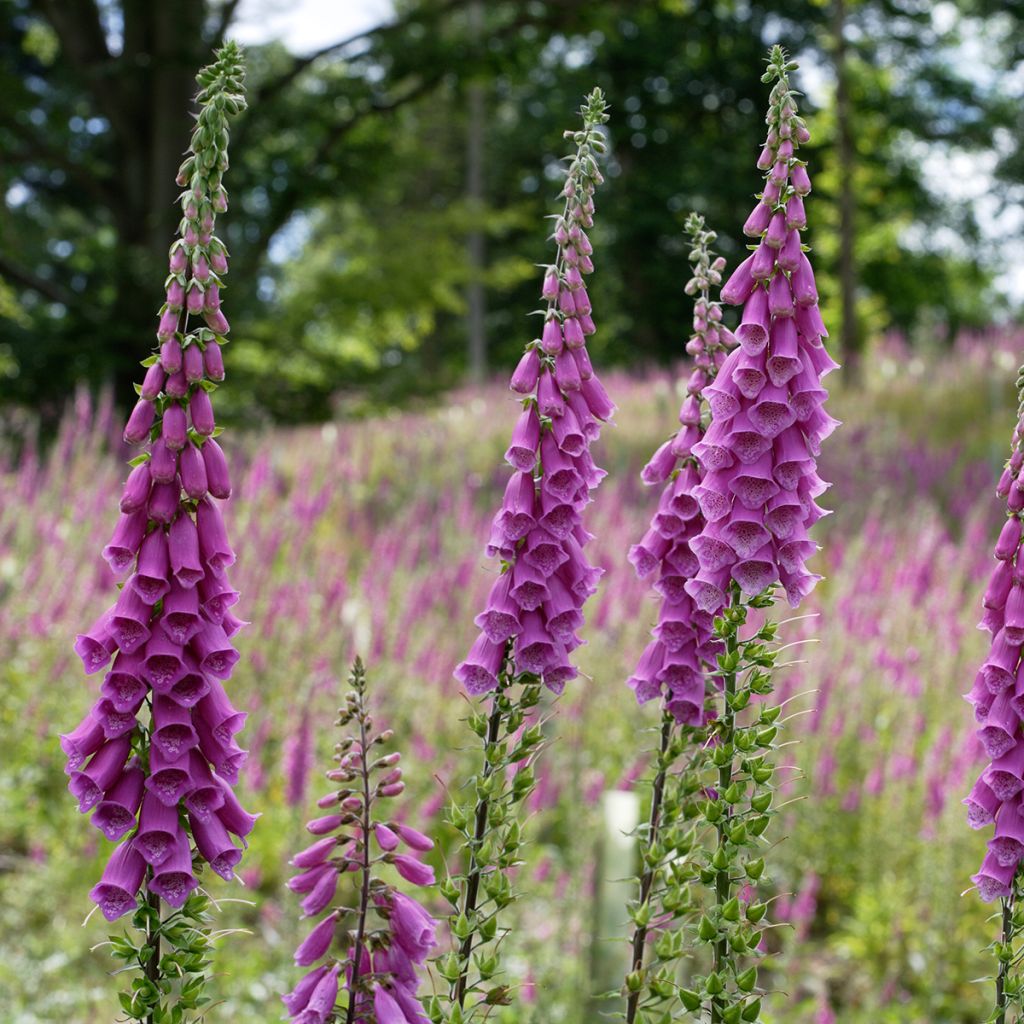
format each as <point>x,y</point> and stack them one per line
<point>175,427</point>
<point>386,1010</point>
<point>193,472</point>
<point>104,768</point>
<point>201,412</point>
<point>413,870</point>
<point>216,655</point>
<point>136,489</point>
<point>115,893</point>
<point>150,581</point>
<point>522,452</point>
<point>524,380</point>
<point>140,422</point>
<point>115,813</point>
<point>213,361</point>
<point>208,796</point>
<point>192,364</point>
<point>172,879</point>
<point>153,382</point>
<point>172,728</point>
<point>416,841</point>
<point>163,463</point>
<point>318,941</point>
<point>176,386</point>
<point>169,779</point>
<point>213,539</point>
<point>183,551</point>
<point>298,999</point>
<point>124,543</point>
<point>217,476</point>
<point>215,844</point>
<point>82,742</point>
<point>236,819</point>
<point>554,472</point>
<point>176,578</point>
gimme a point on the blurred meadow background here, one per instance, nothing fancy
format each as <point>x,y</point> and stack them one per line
<point>388,185</point>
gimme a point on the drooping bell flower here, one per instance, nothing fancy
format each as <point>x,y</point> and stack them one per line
<point>768,421</point>
<point>998,708</point>
<point>162,641</point>
<point>351,976</point>
<point>538,532</point>
<point>671,665</point>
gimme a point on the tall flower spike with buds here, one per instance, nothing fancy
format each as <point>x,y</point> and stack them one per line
<point>678,662</point>
<point>768,419</point>
<point>998,700</point>
<point>755,489</point>
<point>528,628</point>
<point>386,937</point>
<point>671,667</point>
<point>155,758</point>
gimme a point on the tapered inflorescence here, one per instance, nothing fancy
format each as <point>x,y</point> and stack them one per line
<point>673,665</point>
<point>369,946</point>
<point>535,605</point>
<point>757,495</point>
<point>156,757</point>
<point>998,691</point>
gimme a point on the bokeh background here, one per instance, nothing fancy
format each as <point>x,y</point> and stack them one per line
<point>388,187</point>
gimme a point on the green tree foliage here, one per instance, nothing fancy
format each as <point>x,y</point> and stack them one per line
<point>349,208</point>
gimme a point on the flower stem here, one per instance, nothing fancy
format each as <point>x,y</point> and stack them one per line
<point>723,881</point>
<point>1005,938</point>
<point>364,894</point>
<point>479,832</point>
<point>152,965</point>
<point>647,878</point>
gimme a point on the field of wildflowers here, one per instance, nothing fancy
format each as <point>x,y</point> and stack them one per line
<point>364,538</point>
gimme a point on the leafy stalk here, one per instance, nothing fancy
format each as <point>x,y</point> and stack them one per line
<point>738,811</point>
<point>357,707</point>
<point>492,839</point>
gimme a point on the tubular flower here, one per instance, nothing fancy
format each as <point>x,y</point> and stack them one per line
<point>380,968</point>
<point>156,756</point>
<point>997,692</point>
<point>768,421</point>
<point>672,665</point>
<point>535,605</point>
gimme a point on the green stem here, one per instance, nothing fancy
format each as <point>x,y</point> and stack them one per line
<point>1004,963</point>
<point>152,965</point>
<point>479,832</point>
<point>647,878</point>
<point>723,881</point>
<point>364,894</point>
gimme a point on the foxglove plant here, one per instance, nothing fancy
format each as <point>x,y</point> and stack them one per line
<point>155,758</point>
<point>998,709</point>
<point>755,493</point>
<point>528,628</point>
<point>385,939</point>
<point>676,665</point>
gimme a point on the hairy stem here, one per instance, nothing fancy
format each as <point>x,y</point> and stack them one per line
<point>479,831</point>
<point>152,965</point>
<point>647,878</point>
<point>364,894</point>
<point>723,881</point>
<point>1005,937</point>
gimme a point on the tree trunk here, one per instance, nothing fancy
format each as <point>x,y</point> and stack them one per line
<point>475,242</point>
<point>850,338</point>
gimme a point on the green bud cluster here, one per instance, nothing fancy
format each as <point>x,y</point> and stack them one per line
<point>169,963</point>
